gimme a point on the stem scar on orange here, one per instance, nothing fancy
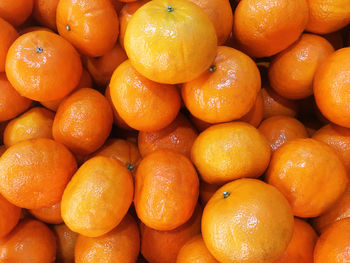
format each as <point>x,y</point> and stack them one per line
<point>170,41</point>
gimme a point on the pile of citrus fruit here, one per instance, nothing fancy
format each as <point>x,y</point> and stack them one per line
<point>174,131</point>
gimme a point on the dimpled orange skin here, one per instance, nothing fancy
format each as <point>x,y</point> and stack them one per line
<point>280,129</point>
<point>274,104</point>
<point>332,85</point>
<point>91,26</point>
<point>117,120</point>
<point>292,71</point>
<point>240,141</point>
<point>339,211</point>
<point>35,123</point>
<point>34,173</point>
<point>11,102</point>
<point>143,104</point>
<point>164,246</point>
<point>166,189</point>
<point>264,28</point>
<point>177,36</point>
<point>125,15</point>
<point>328,16</point>
<point>121,150</point>
<point>220,14</point>
<point>334,245</point>
<point>122,244</point>
<point>85,82</point>
<point>9,216</point>
<point>301,247</point>
<point>31,241</point>
<point>98,196</point>
<point>310,175</point>
<point>226,94</point>
<point>43,66</point>
<point>83,121</point>
<point>178,136</point>
<point>50,215</point>
<point>66,240</point>
<point>16,12</point>
<point>8,34</point>
<point>195,250</point>
<point>338,138</point>
<point>247,221</point>
<point>102,68</point>
<point>44,12</point>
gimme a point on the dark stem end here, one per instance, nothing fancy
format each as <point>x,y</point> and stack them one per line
<point>225,194</point>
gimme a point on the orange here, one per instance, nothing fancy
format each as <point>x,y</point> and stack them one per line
<point>11,102</point>
<point>247,221</point>
<point>195,250</point>
<point>199,124</point>
<point>66,240</point>
<point>292,71</point>
<point>275,104</point>
<point>98,196</point>
<point>34,173</point>
<point>43,66</point>
<point>178,38</point>
<point>125,15</point>
<point>158,201</point>
<point>331,87</point>
<point>339,211</point>
<point>220,14</point>
<point>8,35</point>
<point>16,12</point>
<point>143,104</point>
<point>83,121</point>
<point>44,11</point>
<point>122,244</point>
<point>85,82</point>
<point>256,113</point>
<point>91,26</point>
<point>301,247</point>
<point>328,16</point>
<point>31,241</point>
<point>121,150</point>
<point>118,121</point>
<point>206,191</point>
<point>334,244</point>
<point>34,28</point>
<point>2,149</point>
<point>338,138</point>
<point>50,215</point>
<point>253,117</point>
<point>226,91</point>
<point>118,5</point>
<point>164,246</point>
<point>178,136</point>
<point>336,39</point>
<point>280,129</point>
<point>266,27</point>
<point>102,68</point>
<point>228,151</point>
<point>9,216</point>
<point>310,175</point>
<point>35,123</point>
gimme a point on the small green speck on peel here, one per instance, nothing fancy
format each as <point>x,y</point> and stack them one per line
<point>68,27</point>
<point>212,68</point>
<point>39,50</point>
<point>170,8</point>
<point>130,166</point>
<point>225,194</point>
